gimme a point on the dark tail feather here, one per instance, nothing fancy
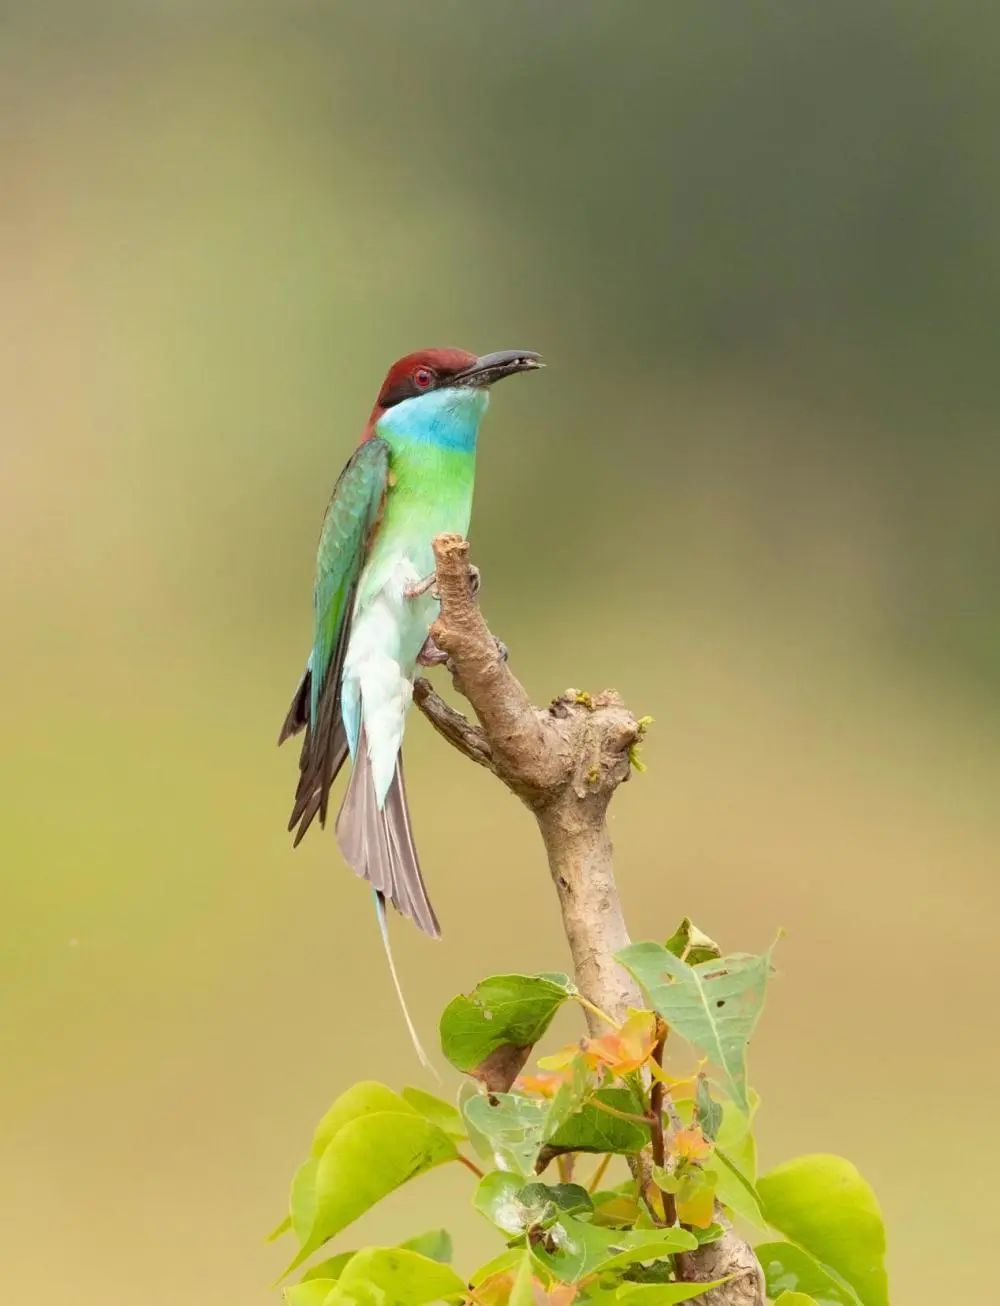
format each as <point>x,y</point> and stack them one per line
<point>324,752</point>
<point>378,845</point>
<point>298,713</point>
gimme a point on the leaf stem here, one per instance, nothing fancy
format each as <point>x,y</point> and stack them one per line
<point>621,1115</point>
<point>599,1172</point>
<point>656,1097</point>
<point>469,1165</point>
<point>603,1015</point>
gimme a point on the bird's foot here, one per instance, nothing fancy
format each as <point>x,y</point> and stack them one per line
<point>420,587</point>
<point>430,655</point>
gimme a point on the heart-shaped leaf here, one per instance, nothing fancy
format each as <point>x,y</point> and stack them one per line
<point>366,1159</point>
<point>439,1112</point>
<point>823,1204</point>
<point>572,1249</point>
<point>359,1100</point>
<point>515,1207</point>
<point>490,1031</point>
<point>394,1276</point>
<point>513,1125</point>
<point>592,1130</point>
<point>788,1268</point>
<point>714,1005</point>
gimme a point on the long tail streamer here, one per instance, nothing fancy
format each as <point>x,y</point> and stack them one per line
<point>383,926</point>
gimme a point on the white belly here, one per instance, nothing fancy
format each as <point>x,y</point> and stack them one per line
<point>387,633</point>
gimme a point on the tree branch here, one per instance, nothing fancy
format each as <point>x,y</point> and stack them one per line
<point>565,763</point>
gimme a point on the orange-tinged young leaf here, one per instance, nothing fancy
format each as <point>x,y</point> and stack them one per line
<point>654,1200</point>
<point>564,1057</point>
<point>695,1198</point>
<point>495,1291</point>
<point>617,1210</point>
<point>690,1144</point>
<point>563,1294</point>
<point>621,1051</point>
<point>546,1083</point>
<point>636,1040</point>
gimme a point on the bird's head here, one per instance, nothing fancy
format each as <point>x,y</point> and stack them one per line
<point>433,381</point>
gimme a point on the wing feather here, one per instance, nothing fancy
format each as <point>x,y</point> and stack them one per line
<point>348,528</point>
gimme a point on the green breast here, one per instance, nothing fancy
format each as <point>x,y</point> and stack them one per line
<point>430,493</point>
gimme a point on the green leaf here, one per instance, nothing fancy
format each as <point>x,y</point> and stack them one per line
<point>691,945</point>
<point>663,1294</point>
<point>393,1276</point>
<point>594,1130</point>
<point>313,1293</point>
<point>302,1203</point>
<point>648,1246</point>
<point>823,1204</point>
<point>329,1269</point>
<point>499,1265</point>
<point>359,1100</point>
<point>714,1005</point>
<point>734,1189</point>
<point>568,1097</point>
<point>435,1243</point>
<point>735,1134</point>
<point>795,1299</point>
<point>616,1207</point>
<point>567,1247</point>
<point>513,1124</point>
<point>522,1293</point>
<point>571,1198</point>
<point>496,1198</point>
<point>279,1229</point>
<point>364,1161</point>
<point>480,1144</point>
<point>448,1118</point>
<point>572,1249</point>
<point>710,1235</point>
<point>789,1268</point>
<point>490,1031</point>
<point>515,1207</point>
<point>708,1112</point>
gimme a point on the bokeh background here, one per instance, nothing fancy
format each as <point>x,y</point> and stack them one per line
<point>757,489</point>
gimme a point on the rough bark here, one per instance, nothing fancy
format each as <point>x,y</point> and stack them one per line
<point>565,763</point>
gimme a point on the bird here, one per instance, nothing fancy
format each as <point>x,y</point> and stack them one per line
<point>410,478</point>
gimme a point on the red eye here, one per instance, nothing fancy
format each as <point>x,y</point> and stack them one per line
<point>422,378</point>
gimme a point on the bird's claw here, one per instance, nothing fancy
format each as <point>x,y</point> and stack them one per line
<point>420,587</point>
<point>431,655</point>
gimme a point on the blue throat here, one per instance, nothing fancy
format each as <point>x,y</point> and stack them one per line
<point>448,418</point>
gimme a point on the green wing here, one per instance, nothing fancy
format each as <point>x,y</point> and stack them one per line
<point>350,521</point>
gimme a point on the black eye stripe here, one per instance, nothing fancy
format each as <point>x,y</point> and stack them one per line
<point>407,388</point>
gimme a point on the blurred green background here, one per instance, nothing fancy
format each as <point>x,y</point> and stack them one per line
<point>757,489</point>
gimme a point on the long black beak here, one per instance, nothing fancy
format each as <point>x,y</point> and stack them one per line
<point>494,367</point>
